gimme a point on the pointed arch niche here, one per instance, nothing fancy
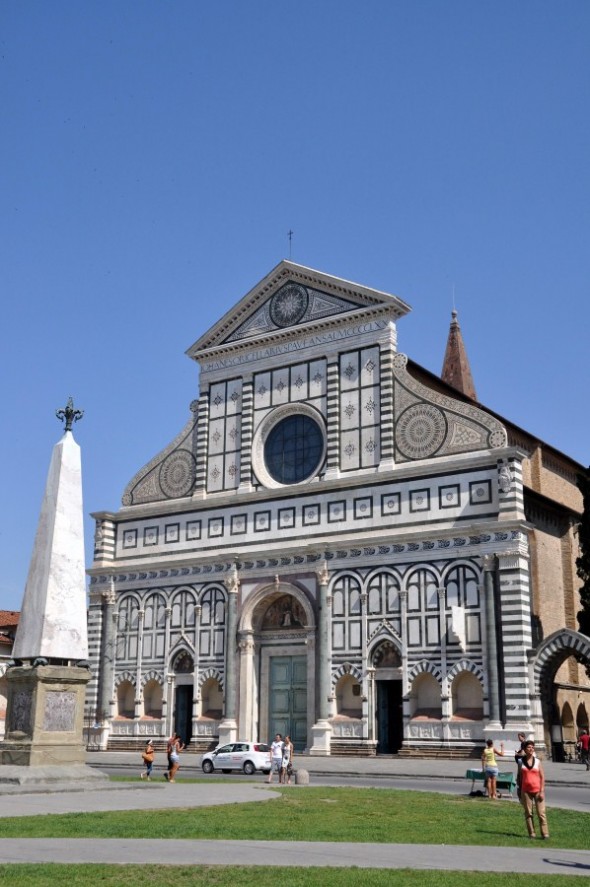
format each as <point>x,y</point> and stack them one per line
<point>276,629</point>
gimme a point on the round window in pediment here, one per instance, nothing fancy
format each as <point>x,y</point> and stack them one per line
<point>293,449</point>
<point>290,446</point>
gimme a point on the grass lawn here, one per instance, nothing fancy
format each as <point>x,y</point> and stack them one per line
<point>258,876</point>
<point>323,814</point>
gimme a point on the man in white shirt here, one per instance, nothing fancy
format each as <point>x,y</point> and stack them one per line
<point>276,756</point>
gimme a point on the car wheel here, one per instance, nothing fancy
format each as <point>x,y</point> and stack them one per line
<point>208,767</point>
<point>226,771</point>
<point>249,768</point>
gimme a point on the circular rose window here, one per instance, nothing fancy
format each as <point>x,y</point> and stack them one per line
<point>290,447</point>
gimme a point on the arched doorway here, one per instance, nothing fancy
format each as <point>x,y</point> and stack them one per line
<point>277,665</point>
<point>183,668</point>
<point>557,671</point>
<point>389,723</point>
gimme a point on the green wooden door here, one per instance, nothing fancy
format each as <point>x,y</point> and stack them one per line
<point>288,699</point>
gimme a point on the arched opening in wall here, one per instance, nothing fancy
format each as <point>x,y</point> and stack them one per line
<point>349,702</point>
<point>582,718</point>
<point>152,700</point>
<point>183,667</point>
<point>211,700</point>
<point>559,669</point>
<point>125,700</point>
<point>425,698</point>
<point>280,623</point>
<point>568,731</point>
<point>388,701</point>
<point>467,698</point>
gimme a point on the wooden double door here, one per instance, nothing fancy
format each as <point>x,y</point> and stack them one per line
<point>288,699</point>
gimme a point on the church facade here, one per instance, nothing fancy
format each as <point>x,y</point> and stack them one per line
<point>338,546</point>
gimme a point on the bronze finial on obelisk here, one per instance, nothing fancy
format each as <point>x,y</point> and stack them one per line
<point>69,415</point>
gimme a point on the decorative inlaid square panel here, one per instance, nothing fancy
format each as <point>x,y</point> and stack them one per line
<point>215,527</point>
<point>129,538</point>
<point>419,500</point>
<point>336,511</point>
<point>311,515</point>
<point>391,503</point>
<point>193,530</point>
<point>239,524</point>
<point>261,521</point>
<point>171,533</point>
<point>363,508</point>
<point>480,492</point>
<point>150,536</point>
<point>449,496</point>
<point>286,518</point>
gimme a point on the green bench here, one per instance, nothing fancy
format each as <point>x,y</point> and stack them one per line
<point>503,780</point>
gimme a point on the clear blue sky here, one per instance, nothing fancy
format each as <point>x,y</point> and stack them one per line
<point>153,156</point>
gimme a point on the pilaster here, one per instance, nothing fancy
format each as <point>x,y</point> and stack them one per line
<point>322,729</point>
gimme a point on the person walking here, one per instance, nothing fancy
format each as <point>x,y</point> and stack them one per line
<point>287,763</point>
<point>584,748</point>
<point>175,746</point>
<point>490,766</point>
<point>148,759</point>
<point>276,757</point>
<point>531,790</point>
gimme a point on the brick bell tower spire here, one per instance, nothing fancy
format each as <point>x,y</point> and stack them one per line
<point>456,370</point>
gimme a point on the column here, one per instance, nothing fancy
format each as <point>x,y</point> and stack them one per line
<point>196,663</point>
<point>364,663</point>
<point>403,598</point>
<point>138,665</point>
<point>322,729</point>
<point>445,689</point>
<point>167,706</point>
<point>107,668</point>
<point>249,702</point>
<point>228,728</point>
<point>371,706</point>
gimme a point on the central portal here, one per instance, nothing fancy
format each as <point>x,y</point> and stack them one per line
<point>288,699</point>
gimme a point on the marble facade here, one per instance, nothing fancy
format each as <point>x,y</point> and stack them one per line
<point>335,546</point>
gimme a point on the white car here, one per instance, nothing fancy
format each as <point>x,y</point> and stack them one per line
<point>246,756</point>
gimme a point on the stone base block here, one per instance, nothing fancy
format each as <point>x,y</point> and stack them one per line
<point>321,732</point>
<point>65,776</point>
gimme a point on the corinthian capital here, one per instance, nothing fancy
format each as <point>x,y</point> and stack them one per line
<point>324,574</point>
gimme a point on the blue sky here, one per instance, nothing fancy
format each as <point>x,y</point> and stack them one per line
<point>154,155</point>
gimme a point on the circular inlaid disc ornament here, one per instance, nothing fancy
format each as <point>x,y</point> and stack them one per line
<point>177,474</point>
<point>420,431</point>
<point>288,306</point>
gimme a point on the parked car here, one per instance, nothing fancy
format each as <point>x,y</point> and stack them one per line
<point>246,756</point>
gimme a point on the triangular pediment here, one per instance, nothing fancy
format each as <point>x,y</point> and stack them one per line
<point>293,297</point>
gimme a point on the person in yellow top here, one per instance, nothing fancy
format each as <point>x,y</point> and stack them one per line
<point>490,766</point>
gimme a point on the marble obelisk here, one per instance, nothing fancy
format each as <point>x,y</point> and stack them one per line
<point>52,622</point>
<point>49,673</point>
